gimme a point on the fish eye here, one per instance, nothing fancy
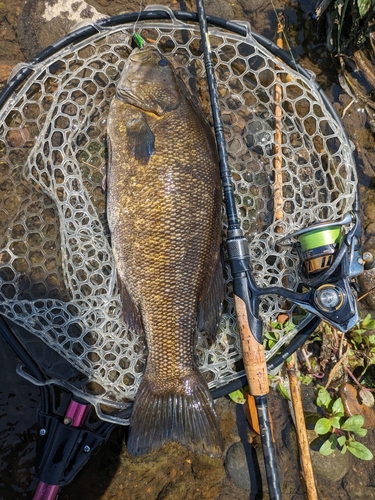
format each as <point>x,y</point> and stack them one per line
<point>163,62</point>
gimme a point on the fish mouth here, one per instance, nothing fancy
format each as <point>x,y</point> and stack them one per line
<point>139,57</point>
<point>127,95</point>
<point>127,90</point>
<point>144,55</point>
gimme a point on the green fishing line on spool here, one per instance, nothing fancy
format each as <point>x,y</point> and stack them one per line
<point>320,238</point>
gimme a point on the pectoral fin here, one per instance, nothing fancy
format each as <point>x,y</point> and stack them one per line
<point>140,139</point>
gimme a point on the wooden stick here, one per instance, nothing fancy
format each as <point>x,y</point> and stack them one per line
<point>303,443</point>
<point>278,137</point>
<point>295,391</point>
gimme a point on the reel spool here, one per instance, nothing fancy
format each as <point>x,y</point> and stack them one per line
<point>319,244</point>
<point>318,248</point>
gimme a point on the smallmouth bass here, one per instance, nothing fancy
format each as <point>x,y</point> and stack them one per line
<point>164,213</point>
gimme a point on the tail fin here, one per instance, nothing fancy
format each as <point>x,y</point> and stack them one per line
<point>186,415</point>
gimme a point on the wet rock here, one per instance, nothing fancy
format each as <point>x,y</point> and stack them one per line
<point>366,283</point>
<point>42,22</point>
<point>308,398</point>
<point>366,280</point>
<point>9,47</point>
<point>115,7</point>
<point>359,131</point>
<point>244,465</point>
<point>237,463</point>
<point>226,411</point>
<point>332,467</point>
<point>219,8</point>
<point>5,71</point>
<point>251,6</point>
<point>353,405</point>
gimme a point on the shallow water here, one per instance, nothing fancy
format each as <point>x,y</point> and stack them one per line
<point>115,474</point>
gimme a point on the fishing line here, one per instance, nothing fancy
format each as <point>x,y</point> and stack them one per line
<point>285,38</point>
<point>137,39</point>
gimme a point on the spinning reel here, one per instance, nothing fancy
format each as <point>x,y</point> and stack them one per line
<point>330,259</point>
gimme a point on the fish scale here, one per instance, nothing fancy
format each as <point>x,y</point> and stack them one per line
<point>164,214</point>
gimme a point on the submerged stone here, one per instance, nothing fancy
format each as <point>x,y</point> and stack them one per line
<point>238,463</point>
<point>332,467</point>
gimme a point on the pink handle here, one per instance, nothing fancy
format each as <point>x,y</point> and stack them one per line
<point>46,491</point>
<point>75,416</point>
<point>76,413</point>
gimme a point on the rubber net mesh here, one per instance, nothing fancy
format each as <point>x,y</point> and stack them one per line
<point>57,274</point>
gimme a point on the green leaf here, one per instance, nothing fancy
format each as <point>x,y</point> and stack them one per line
<point>338,408</point>
<point>367,322</point>
<point>305,379</point>
<point>238,397</point>
<point>359,450</point>
<point>329,446</point>
<point>283,391</point>
<point>270,336</point>
<point>367,318</point>
<point>353,423</point>
<point>341,440</point>
<point>288,327</point>
<point>360,432</point>
<point>360,331</point>
<point>357,338</point>
<point>323,399</point>
<point>335,422</point>
<point>322,426</point>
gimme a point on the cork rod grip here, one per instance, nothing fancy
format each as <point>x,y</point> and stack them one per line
<point>252,352</point>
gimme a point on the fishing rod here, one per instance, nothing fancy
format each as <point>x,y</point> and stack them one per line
<point>330,259</point>
<point>250,326</point>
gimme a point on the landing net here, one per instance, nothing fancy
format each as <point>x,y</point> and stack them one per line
<point>57,274</point>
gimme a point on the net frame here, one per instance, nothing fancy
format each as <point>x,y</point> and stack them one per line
<point>57,320</point>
